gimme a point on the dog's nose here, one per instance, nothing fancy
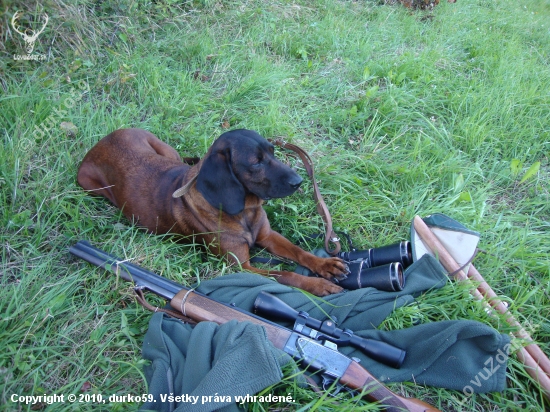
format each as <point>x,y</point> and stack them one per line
<point>295,182</point>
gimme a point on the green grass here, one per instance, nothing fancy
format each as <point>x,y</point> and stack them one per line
<point>403,112</point>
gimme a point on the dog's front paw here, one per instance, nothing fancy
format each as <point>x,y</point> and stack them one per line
<point>314,285</point>
<point>332,268</point>
<point>323,287</point>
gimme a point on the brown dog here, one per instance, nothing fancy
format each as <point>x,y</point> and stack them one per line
<point>218,200</point>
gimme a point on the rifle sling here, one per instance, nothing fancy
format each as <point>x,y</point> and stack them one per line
<point>322,208</point>
<point>140,297</point>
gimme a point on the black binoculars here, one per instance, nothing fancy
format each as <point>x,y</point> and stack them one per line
<point>381,268</point>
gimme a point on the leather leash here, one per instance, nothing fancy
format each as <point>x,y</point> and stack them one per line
<point>322,209</point>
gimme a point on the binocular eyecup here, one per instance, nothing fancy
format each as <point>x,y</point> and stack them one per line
<point>381,268</point>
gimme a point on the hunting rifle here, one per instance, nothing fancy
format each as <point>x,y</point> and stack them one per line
<point>303,348</point>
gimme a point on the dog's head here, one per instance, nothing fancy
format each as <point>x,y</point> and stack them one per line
<point>241,162</point>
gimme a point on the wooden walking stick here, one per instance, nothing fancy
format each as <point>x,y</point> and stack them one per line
<point>536,362</point>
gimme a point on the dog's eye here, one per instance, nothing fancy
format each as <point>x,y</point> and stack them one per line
<point>259,161</point>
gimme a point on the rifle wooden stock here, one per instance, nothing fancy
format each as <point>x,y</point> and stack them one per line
<point>201,308</point>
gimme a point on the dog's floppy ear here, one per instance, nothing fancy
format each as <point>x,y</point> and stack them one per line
<point>217,183</point>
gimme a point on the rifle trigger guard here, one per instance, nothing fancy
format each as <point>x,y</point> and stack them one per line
<point>328,383</point>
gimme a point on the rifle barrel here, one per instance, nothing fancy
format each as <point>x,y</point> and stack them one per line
<point>142,278</point>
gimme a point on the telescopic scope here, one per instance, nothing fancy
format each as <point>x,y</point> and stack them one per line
<point>271,307</point>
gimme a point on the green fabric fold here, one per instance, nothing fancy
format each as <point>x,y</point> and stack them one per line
<point>236,358</point>
<point>206,367</point>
